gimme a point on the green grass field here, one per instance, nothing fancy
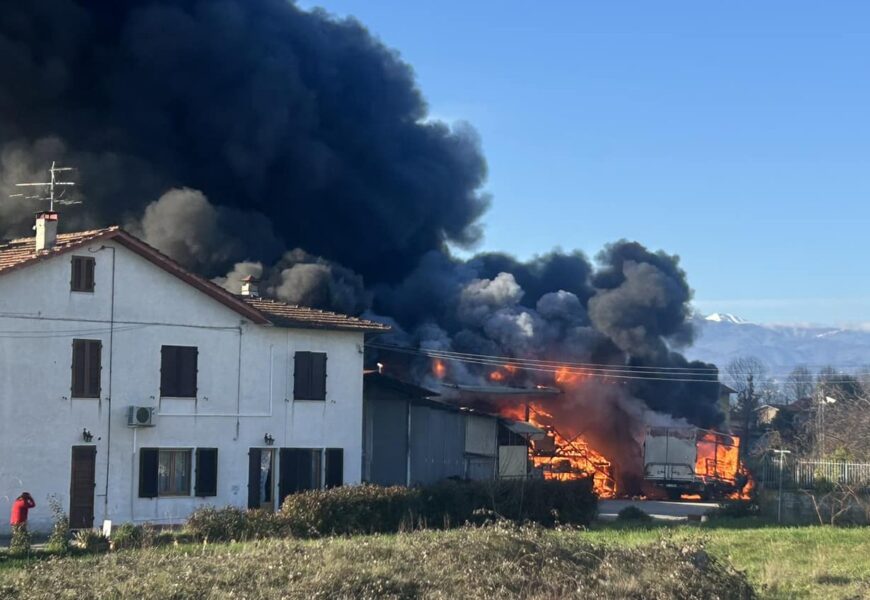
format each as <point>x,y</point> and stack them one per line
<point>780,562</point>
<point>610,561</point>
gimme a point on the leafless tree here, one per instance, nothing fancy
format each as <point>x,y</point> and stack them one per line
<point>799,384</point>
<point>839,501</point>
<point>747,375</point>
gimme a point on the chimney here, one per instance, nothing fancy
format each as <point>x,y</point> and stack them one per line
<point>249,287</point>
<point>46,230</point>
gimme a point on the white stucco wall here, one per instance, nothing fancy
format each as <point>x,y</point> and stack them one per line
<point>245,386</point>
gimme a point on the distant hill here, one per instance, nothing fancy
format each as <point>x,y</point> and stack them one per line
<point>722,337</point>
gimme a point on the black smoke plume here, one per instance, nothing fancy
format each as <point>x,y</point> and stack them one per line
<point>253,137</point>
<point>295,116</point>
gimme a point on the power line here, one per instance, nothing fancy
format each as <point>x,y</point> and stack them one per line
<point>675,374</point>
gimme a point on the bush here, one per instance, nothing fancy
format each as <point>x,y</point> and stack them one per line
<point>91,540</point>
<point>735,509</point>
<point>486,562</point>
<point>633,514</point>
<point>350,510</point>
<point>212,524</point>
<point>373,509</point>
<point>262,524</point>
<point>58,541</point>
<point>20,542</point>
<point>128,536</point>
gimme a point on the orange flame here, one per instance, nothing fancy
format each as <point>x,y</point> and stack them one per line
<point>438,368</point>
<point>718,456</point>
<point>561,458</point>
<point>496,376</point>
<point>566,376</point>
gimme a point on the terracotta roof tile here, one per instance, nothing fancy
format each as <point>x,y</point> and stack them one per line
<point>21,252</point>
<point>290,315</point>
<point>18,252</point>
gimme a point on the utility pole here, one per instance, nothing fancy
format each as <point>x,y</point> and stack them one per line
<point>782,454</point>
<point>748,409</point>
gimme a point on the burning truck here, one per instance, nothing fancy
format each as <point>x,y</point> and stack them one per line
<point>590,427</point>
<point>695,463</point>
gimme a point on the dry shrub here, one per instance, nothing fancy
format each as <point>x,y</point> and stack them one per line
<point>19,544</point>
<point>500,561</point>
<point>633,514</point>
<point>375,509</point>
<point>368,509</point>
<point>90,540</point>
<point>213,524</point>
<point>128,536</point>
<point>350,510</point>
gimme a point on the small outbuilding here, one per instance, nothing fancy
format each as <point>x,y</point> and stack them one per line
<point>412,438</point>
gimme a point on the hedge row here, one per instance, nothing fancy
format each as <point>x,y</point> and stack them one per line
<point>367,509</point>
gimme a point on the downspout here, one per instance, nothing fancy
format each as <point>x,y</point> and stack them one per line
<point>408,448</point>
<point>109,398</point>
<point>239,390</point>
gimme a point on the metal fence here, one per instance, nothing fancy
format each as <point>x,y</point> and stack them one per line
<point>804,474</point>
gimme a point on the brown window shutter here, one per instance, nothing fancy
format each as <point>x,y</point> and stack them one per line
<point>82,274</point>
<point>94,367</point>
<point>148,465</point>
<point>178,371</point>
<point>334,467</point>
<point>78,369</point>
<point>206,472</point>
<point>301,376</point>
<point>89,274</point>
<point>76,277</point>
<point>318,376</point>
<point>190,371</point>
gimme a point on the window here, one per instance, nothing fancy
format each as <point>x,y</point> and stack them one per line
<point>82,279</point>
<point>173,473</point>
<point>86,368</point>
<point>164,472</point>
<point>178,371</point>
<point>261,473</point>
<point>309,376</point>
<point>303,469</point>
<point>299,469</point>
<point>206,472</point>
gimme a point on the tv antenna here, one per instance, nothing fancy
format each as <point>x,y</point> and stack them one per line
<point>52,197</point>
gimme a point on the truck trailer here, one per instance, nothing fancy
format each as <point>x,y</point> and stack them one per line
<point>691,460</point>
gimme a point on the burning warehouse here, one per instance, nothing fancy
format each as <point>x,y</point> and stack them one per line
<point>584,425</point>
<point>410,437</point>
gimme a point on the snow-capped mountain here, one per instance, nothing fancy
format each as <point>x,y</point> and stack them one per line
<point>722,337</point>
<point>725,318</point>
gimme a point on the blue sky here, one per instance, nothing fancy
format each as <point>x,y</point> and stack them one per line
<point>733,134</point>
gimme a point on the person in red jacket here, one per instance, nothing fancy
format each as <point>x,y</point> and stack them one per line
<point>22,504</point>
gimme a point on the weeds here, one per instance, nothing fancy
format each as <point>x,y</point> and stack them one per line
<point>90,540</point>
<point>58,541</point>
<point>498,561</point>
<point>19,545</point>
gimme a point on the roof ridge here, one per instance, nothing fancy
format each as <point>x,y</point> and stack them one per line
<point>290,315</point>
<point>66,234</point>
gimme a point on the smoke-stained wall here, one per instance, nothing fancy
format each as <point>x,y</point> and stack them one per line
<point>253,137</point>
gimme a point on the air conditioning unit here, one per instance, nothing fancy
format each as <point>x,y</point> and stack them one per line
<point>140,416</point>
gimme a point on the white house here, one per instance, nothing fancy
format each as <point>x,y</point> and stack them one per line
<point>133,390</point>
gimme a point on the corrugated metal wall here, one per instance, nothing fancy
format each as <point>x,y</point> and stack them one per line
<point>437,445</point>
<point>386,441</point>
<point>481,447</point>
